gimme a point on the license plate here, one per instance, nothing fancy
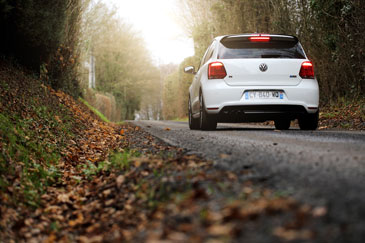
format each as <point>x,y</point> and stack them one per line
<point>264,94</point>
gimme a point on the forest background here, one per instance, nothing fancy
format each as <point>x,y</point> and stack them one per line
<point>55,40</point>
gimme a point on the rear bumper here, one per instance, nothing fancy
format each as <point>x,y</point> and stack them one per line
<point>222,99</point>
<point>260,113</point>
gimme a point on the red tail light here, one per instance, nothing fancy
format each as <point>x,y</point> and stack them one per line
<point>307,71</point>
<point>259,39</point>
<point>216,70</point>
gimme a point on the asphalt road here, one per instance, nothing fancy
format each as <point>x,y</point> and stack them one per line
<point>322,168</point>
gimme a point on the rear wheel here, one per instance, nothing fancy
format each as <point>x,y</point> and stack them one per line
<point>193,122</point>
<point>207,122</point>
<point>309,121</point>
<point>282,124</point>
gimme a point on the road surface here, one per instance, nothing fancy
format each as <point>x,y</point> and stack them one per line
<point>322,168</point>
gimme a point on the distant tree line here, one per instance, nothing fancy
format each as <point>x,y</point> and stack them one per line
<point>124,67</point>
<point>331,32</point>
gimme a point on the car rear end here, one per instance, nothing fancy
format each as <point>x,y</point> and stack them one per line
<point>260,77</point>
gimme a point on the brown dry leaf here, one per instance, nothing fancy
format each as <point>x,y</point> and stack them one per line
<point>28,222</point>
<point>220,229</point>
<point>57,118</point>
<point>224,156</point>
<point>109,202</point>
<point>319,211</point>
<point>167,129</point>
<point>291,235</point>
<point>78,220</point>
<point>107,192</point>
<point>63,198</point>
<point>51,238</point>
<point>92,228</point>
<point>214,216</point>
<point>138,162</point>
<point>177,237</point>
<point>231,176</point>
<point>247,190</point>
<point>52,209</point>
<point>93,239</point>
<point>281,204</point>
<point>120,179</point>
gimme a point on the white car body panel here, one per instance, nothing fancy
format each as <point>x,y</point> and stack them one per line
<point>246,72</point>
<point>244,75</point>
<point>218,94</point>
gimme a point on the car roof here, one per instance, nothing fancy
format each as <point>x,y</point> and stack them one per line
<point>219,38</point>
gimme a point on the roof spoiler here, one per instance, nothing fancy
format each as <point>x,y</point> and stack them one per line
<point>274,37</point>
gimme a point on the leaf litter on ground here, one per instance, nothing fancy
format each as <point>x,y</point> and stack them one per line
<point>118,183</point>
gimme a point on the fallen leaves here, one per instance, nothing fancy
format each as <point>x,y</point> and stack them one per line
<point>156,194</point>
<point>290,235</point>
<point>349,116</point>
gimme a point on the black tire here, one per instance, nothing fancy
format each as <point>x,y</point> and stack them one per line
<point>207,122</point>
<point>309,121</point>
<point>193,122</point>
<point>282,124</point>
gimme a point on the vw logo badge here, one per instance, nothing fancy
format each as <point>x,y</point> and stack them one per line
<point>263,67</point>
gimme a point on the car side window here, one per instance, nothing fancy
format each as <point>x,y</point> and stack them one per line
<point>202,61</point>
<point>208,54</point>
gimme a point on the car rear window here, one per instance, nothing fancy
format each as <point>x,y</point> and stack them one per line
<point>277,47</point>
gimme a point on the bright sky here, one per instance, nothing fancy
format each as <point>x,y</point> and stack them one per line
<point>157,22</point>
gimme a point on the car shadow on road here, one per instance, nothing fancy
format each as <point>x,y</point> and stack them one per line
<point>223,128</point>
<point>355,135</point>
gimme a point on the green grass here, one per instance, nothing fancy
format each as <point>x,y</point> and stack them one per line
<point>31,147</point>
<point>25,158</point>
<point>93,109</point>
<point>90,169</point>
<point>121,160</point>
<point>117,161</point>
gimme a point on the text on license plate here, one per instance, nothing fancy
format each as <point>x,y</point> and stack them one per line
<point>269,94</point>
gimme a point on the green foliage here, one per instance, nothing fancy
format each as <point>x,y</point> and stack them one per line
<point>37,29</point>
<point>61,71</point>
<point>38,33</point>
<point>90,169</point>
<point>98,113</point>
<point>330,31</point>
<point>123,65</point>
<point>175,92</point>
<point>34,132</point>
<point>117,161</point>
<point>122,160</point>
<point>5,9</point>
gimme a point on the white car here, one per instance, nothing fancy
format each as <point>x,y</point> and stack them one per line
<point>254,78</point>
